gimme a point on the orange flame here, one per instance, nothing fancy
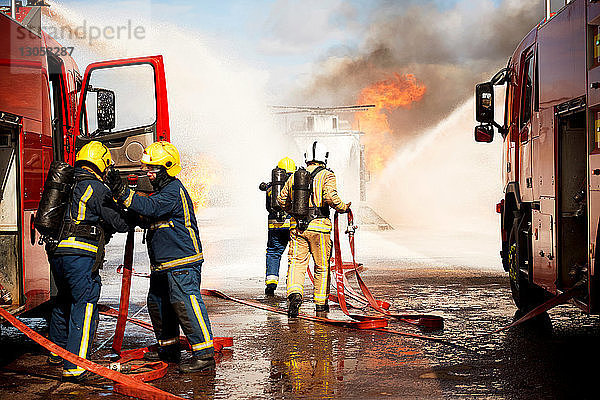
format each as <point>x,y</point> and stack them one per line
<point>387,95</point>
<point>198,176</point>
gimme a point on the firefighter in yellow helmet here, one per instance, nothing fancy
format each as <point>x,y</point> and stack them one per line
<point>288,164</point>
<point>90,220</point>
<point>176,258</point>
<point>278,223</point>
<point>310,232</point>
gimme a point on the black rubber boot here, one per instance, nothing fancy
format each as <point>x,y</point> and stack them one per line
<point>169,354</point>
<point>270,289</point>
<point>54,359</point>
<point>197,364</point>
<point>322,308</point>
<point>151,356</point>
<point>77,378</point>
<point>295,301</point>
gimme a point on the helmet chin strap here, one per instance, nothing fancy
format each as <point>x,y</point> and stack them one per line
<point>93,169</point>
<point>162,179</point>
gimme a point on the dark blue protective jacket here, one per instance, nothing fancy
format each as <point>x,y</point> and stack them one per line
<point>173,238</point>
<point>91,204</point>
<point>277,220</point>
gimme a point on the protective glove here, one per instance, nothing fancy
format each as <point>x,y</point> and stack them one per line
<point>347,207</point>
<point>135,219</point>
<point>113,180</point>
<point>107,237</point>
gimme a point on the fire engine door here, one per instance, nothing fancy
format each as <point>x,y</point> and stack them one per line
<point>10,277</point>
<point>571,217</point>
<point>123,104</point>
<point>525,134</point>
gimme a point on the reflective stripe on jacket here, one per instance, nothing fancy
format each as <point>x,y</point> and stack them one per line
<point>91,203</point>
<point>324,192</point>
<point>173,239</point>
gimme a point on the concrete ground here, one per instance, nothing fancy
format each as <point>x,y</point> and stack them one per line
<point>455,276</point>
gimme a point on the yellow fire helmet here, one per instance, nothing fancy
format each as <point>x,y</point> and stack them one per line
<point>95,153</point>
<point>287,164</point>
<point>165,154</point>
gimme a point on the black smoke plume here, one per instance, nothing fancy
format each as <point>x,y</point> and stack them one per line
<point>448,50</point>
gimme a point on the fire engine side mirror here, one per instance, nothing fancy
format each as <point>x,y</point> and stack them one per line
<point>484,103</point>
<point>105,100</point>
<point>484,133</point>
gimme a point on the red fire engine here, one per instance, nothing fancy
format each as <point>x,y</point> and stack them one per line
<point>551,157</point>
<point>48,111</point>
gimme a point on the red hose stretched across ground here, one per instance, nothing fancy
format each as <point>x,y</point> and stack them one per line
<point>431,322</point>
<point>127,385</point>
<point>369,323</point>
<point>137,388</point>
<point>426,321</point>
<point>218,342</point>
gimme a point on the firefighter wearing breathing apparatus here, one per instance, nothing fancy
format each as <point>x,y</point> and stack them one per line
<point>176,258</point>
<point>307,196</point>
<point>279,222</point>
<point>90,218</point>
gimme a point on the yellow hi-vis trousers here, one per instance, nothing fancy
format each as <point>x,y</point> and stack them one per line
<point>303,244</point>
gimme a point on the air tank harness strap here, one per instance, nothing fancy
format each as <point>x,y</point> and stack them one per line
<point>83,230</point>
<point>313,211</point>
<point>62,187</point>
<point>86,231</point>
<point>318,212</point>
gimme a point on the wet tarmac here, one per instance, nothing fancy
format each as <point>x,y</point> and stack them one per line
<point>273,357</point>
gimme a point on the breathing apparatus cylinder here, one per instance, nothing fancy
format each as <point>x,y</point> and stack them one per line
<point>55,199</point>
<point>301,192</point>
<point>278,178</point>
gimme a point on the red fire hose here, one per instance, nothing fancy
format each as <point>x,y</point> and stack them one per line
<point>218,342</point>
<point>157,369</point>
<point>125,290</point>
<point>432,322</point>
<point>361,323</point>
<point>340,270</point>
<point>365,324</point>
<point>126,385</point>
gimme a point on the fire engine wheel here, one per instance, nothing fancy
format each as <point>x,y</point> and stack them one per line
<point>525,295</point>
<point>517,286</point>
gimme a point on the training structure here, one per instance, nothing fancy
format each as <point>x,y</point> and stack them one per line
<point>346,153</point>
<point>551,157</point>
<point>47,112</point>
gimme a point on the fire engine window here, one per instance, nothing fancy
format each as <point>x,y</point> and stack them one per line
<point>508,102</point>
<point>134,99</point>
<point>310,123</point>
<point>536,89</point>
<point>527,92</point>
<point>57,104</point>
